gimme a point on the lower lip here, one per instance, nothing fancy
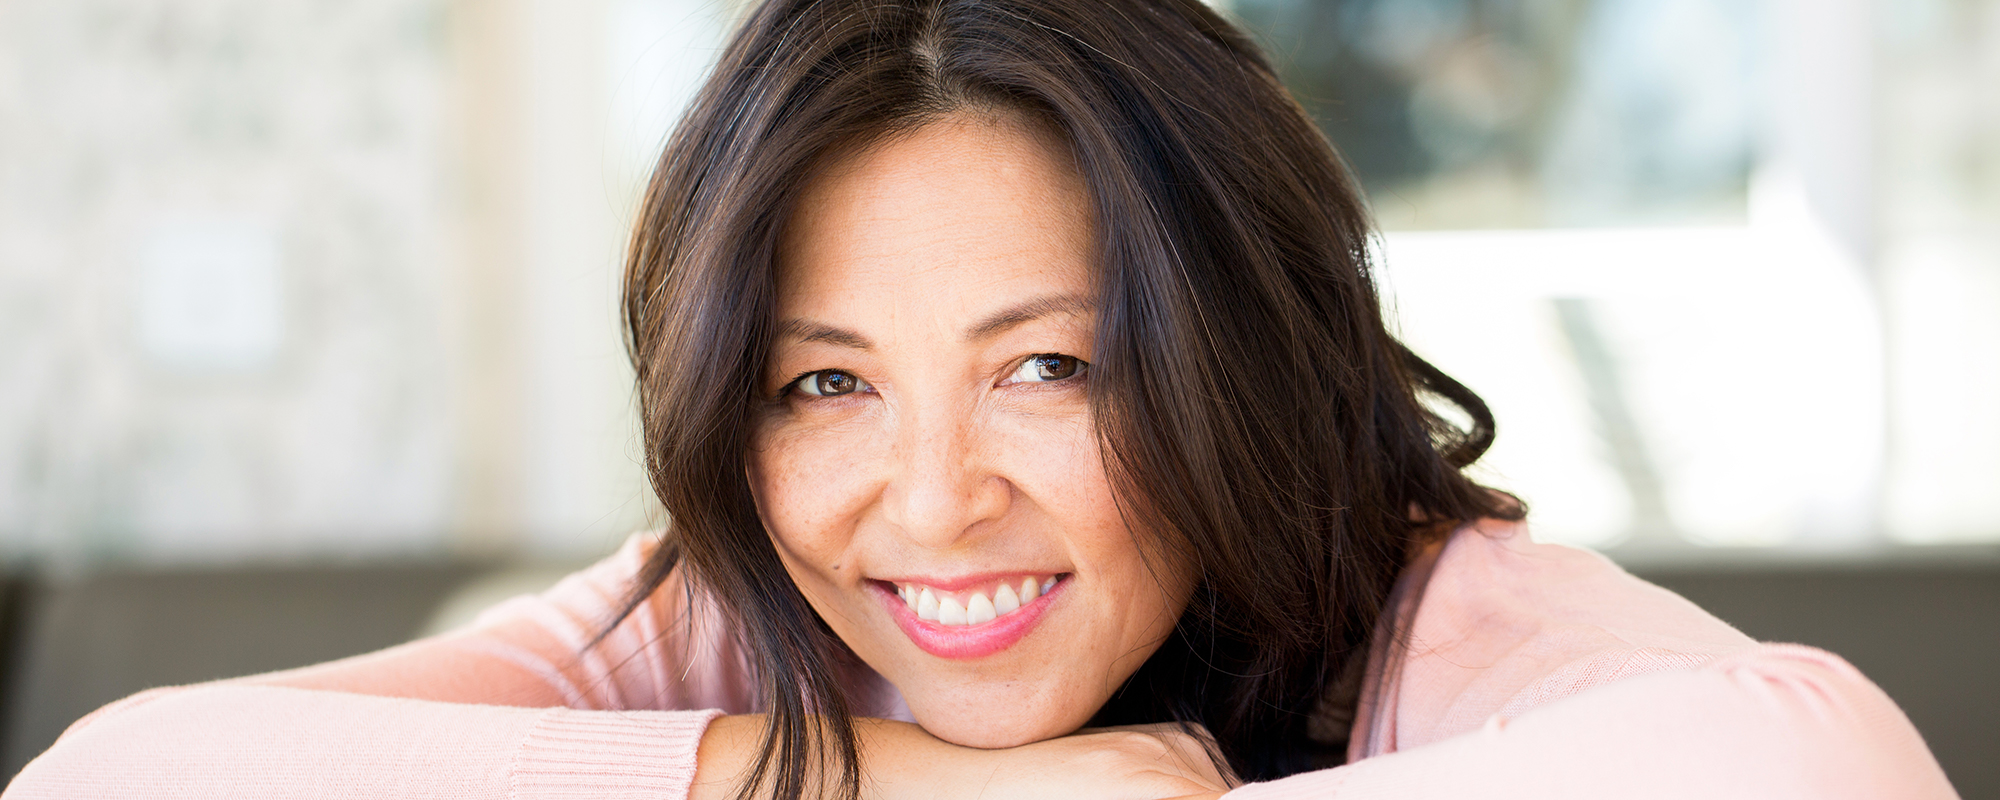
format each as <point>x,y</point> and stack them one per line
<point>968,641</point>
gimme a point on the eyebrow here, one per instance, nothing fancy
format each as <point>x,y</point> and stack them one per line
<point>807,331</point>
<point>1044,306</point>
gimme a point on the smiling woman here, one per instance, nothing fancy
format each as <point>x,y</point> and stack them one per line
<point>1014,378</point>
<point>1053,292</point>
<point>945,358</point>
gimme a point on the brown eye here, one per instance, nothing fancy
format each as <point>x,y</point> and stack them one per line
<point>1055,368</point>
<point>1045,367</point>
<point>829,383</point>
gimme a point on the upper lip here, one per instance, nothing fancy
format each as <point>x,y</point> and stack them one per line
<point>962,582</point>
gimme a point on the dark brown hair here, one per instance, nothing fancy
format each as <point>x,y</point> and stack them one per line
<point>1259,420</point>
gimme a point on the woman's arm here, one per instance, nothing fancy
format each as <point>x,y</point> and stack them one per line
<point>516,705</point>
<point>226,741</point>
<point>243,741</point>
<point>1778,721</point>
<point>900,761</point>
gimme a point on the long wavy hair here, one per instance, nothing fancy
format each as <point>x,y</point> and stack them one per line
<point>1259,421</point>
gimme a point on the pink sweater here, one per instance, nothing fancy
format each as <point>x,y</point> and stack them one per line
<point>1515,669</point>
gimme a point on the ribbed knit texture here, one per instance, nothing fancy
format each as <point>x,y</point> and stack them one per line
<point>641,755</point>
<point>1508,669</point>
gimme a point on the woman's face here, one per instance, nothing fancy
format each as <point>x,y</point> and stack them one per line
<point>928,466</point>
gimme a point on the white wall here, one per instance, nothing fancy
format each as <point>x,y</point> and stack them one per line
<point>282,278</point>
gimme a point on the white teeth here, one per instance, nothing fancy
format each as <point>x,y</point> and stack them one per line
<point>950,612</point>
<point>927,605</point>
<point>1004,600</point>
<point>946,608</point>
<point>979,609</point>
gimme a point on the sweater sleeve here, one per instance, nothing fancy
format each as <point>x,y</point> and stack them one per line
<point>517,705</point>
<point>1776,721</point>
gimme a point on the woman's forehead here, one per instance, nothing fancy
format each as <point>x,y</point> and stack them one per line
<point>964,207</point>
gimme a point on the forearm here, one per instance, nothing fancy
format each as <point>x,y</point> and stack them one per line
<point>898,759</point>
<point>234,741</point>
<point>1781,722</point>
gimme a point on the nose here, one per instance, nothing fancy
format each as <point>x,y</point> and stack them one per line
<point>942,487</point>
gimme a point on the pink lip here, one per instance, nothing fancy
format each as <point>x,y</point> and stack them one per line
<point>962,582</point>
<point>967,641</point>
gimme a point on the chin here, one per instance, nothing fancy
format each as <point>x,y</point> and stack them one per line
<point>968,727</point>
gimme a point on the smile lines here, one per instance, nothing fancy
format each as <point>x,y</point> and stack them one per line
<point>982,605</point>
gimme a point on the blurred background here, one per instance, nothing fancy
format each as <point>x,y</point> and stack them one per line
<point>308,338</point>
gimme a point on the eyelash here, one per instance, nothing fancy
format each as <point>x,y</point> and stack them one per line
<point>1079,369</point>
<point>792,386</point>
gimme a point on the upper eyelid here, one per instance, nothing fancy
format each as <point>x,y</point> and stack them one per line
<point>791,384</point>
<point>790,387</point>
<point>1082,363</point>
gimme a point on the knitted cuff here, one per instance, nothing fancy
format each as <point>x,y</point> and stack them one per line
<point>610,754</point>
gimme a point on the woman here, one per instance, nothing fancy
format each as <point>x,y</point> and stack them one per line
<point>1013,377</point>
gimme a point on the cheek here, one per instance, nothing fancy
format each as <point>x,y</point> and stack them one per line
<point>1054,457</point>
<point>1058,464</point>
<point>809,486</point>
<point>1061,467</point>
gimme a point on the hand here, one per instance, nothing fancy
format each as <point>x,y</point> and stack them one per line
<point>902,761</point>
<point>1142,762</point>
